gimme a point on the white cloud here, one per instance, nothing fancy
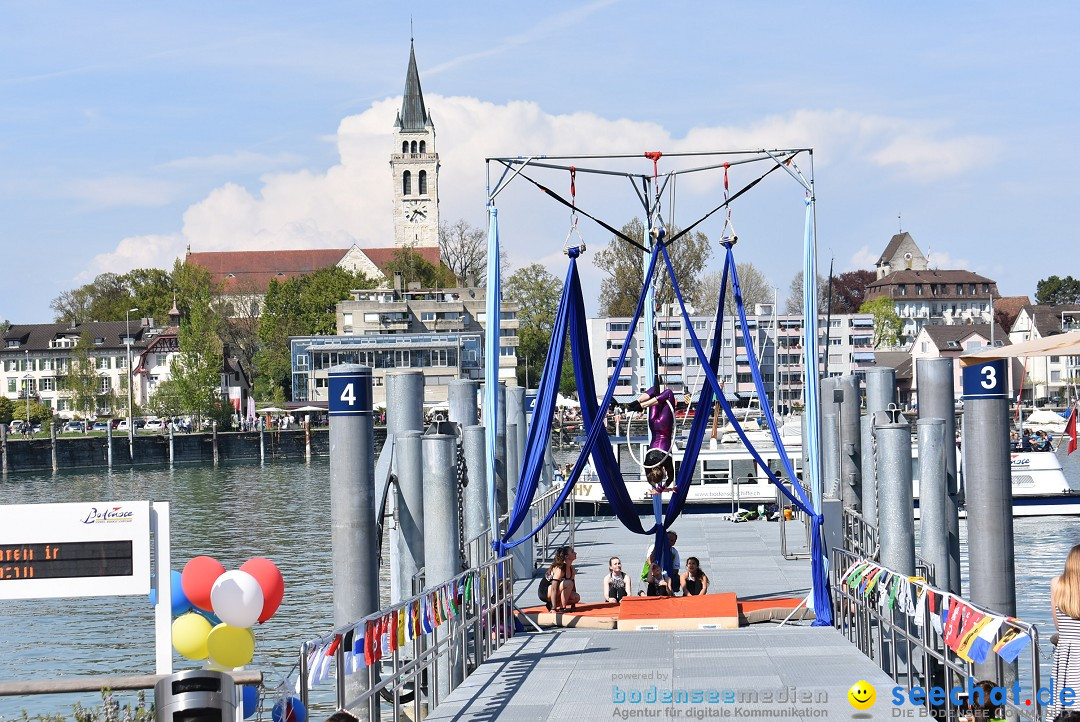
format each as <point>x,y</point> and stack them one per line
<point>942,260</point>
<point>351,201</point>
<point>864,258</point>
<point>149,251</point>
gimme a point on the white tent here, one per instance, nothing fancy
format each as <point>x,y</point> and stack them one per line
<point>1062,344</point>
<point>565,402</point>
<point>1046,420</point>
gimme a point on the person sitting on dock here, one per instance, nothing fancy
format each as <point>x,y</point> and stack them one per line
<point>694,581</point>
<point>676,562</point>
<point>617,582</point>
<point>657,583</point>
<point>562,594</point>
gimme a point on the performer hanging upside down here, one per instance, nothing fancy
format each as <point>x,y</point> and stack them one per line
<point>659,466</point>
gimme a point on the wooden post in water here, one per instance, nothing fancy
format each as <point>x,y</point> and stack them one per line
<point>3,449</point>
<point>108,442</point>
<point>262,444</point>
<point>172,444</point>
<point>307,438</point>
<point>213,431</point>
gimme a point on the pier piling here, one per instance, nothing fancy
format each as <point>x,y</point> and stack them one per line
<point>895,495</point>
<point>476,505</point>
<point>933,495</point>
<point>515,438</point>
<point>408,453</point>
<point>850,442</point>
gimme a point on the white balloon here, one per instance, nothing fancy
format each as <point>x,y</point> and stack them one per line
<point>237,599</point>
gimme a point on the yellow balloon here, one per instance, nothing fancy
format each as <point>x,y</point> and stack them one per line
<point>231,646</point>
<point>190,633</point>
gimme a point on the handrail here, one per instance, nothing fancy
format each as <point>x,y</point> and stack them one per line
<point>440,659</point>
<point>918,653</point>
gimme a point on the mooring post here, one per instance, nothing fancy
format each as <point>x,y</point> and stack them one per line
<point>410,557</point>
<point>352,501</point>
<point>830,413</point>
<point>896,502</point>
<point>3,449</point>
<point>850,442</point>
<point>516,434</point>
<point>404,412</point>
<point>476,504</point>
<point>172,445</point>
<point>988,482</point>
<point>108,445</point>
<point>868,488</point>
<point>52,439</point>
<point>880,395</point>
<point>937,400</point>
<point>214,440</point>
<point>442,561</point>
<point>461,397</point>
<point>262,441</point>
<point>500,453</point>
<point>933,495</point>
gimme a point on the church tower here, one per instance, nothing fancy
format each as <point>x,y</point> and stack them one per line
<point>414,165</point>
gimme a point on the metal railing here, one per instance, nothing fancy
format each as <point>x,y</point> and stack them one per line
<point>412,679</point>
<point>915,654</point>
<point>797,516</point>
<point>860,536</point>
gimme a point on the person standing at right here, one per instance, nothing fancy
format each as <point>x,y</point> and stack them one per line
<point>1065,606</point>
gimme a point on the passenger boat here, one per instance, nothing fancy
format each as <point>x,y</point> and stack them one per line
<point>728,478</point>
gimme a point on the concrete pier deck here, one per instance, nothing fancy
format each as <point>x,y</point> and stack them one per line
<point>762,671</point>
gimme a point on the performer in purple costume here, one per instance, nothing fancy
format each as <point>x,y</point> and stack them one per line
<point>659,466</point>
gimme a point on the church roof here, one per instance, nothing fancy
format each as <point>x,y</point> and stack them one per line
<point>413,115</point>
<point>251,271</point>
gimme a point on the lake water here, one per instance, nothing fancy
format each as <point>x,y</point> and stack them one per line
<point>279,511</point>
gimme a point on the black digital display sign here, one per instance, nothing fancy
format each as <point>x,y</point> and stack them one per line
<point>65,560</point>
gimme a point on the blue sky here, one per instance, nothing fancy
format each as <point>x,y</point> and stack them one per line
<point>130,130</point>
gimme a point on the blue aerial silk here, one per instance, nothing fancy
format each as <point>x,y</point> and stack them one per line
<point>491,365</point>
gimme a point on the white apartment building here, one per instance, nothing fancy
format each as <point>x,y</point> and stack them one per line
<point>1047,378</point>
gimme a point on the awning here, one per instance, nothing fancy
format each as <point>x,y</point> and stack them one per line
<point>1063,344</point>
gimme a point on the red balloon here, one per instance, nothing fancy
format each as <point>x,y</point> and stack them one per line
<point>198,578</point>
<point>270,581</point>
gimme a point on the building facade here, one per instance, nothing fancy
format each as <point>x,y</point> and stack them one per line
<point>1047,379</point>
<point>777,343</point>
<point>414,165</point>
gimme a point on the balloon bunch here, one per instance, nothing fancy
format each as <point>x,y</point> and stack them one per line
<point>226,605</point>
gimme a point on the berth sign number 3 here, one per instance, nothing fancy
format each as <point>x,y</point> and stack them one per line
<point>350,392</point>
<point>986,380</point>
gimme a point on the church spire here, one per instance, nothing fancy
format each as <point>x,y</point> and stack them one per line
<point>413,115</point>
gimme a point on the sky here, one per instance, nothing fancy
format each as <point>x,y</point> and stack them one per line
<point>130,131</point>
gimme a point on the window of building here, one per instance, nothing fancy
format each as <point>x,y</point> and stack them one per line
<point>986,288</point>
<point>11,386</point>
<point>48,384</point>
<point>924,347</point>
<point>901,289</point>
<point>618,326</point>
<point>423,146</point>
<point>1055,359</point>
<point>971,289</point>
<point>412,147</point>
<point>406,183</point>
<point>959,289</point>
<point>506,350</point>
<point>1055,377</point>
<point>421,185</point>
<point>918,289</point>
<point>105,384</point>
<point>371,318</point>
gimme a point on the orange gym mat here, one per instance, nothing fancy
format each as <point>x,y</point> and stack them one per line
<point>711,611</point>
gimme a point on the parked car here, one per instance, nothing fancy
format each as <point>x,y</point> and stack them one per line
<point>73,427</point>
<point>102,426</point>
<point>115,423</point>
<point>122,425</point>
<point>155,425</point>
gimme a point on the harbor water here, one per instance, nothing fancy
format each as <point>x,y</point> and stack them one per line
<point>281,511</point>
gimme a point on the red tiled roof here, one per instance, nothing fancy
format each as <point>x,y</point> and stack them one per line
<point>251,271</point>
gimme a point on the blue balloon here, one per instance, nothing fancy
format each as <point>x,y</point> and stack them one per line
<point>292,710</point>
<point>180,603</point>
<point>251,700</point>
<point>210,616</point>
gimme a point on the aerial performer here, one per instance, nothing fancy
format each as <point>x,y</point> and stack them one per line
<point>659,465</point>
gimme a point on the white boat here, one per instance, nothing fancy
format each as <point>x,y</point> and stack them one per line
<point>728,477</point>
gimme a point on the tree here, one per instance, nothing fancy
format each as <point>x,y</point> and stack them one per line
<point>623,264</point>
<point>464,252</point>
<point>196,370</point>
<point>794,303</point>
<point>537,292</point>
<point>109,296</point>
<point>1055,291</point>
<point>753,283</point>
<point>7,409</point>
<point>81,379</point>
<point>887,324</point>
<point>849,290</point>
<point>414,267</point>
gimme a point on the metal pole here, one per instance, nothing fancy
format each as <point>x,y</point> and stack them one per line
<point>404,413</point>
<point>409,460</point>
<point>352,500</point>
<point>987,476</point>
<point>933,517</point>
<point>108,443</point>
<point>461,395</point>
<point>52,438</point>
<point>500,452</point>
<point>830,442</point>
<point>869,486</point>
<point>214,440</point>
<point>3,449</point>
<point>936,399</point>
<point>515,416</point>
<point>850,442</point>
<point>441,561</point>
<point>895,495</point>
<point>476,508</point>
<point>172,444</point>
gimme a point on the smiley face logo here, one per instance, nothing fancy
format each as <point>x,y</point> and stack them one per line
<point>862,695</point>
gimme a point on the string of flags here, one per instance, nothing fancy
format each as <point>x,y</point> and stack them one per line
<point>370,640</point>
<point>969,632</point>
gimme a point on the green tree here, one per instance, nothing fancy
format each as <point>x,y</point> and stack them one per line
<point>887,324</point>
<point>414,267</point>
<point>151,292</point>
<point>197,368</point>
<point>7,409</point>
<point>81,378</point>
<point>1055,291</point>
<point>166,401</point>
<point>623,264</point>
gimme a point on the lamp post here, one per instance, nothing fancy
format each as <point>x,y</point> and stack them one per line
<point>130,380</point>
